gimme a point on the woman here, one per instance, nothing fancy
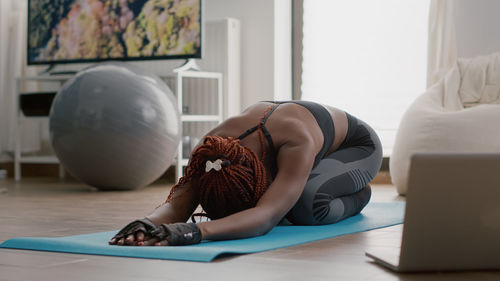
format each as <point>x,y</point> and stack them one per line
<point>298,160</point>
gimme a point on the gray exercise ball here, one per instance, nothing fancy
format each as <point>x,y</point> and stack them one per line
<point>115,126</point>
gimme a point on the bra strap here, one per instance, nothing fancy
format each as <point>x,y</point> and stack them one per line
<point>264,130</point>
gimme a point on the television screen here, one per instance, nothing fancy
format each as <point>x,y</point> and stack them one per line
<point>67,31</point>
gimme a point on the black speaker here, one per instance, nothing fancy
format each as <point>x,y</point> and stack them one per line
<point>36,104</point>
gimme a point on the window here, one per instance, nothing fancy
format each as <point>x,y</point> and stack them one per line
<point>366,57</point>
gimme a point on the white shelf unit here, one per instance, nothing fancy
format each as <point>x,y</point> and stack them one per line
<point>18,157</point>
<point>180,93</point>
<point>179,78</point>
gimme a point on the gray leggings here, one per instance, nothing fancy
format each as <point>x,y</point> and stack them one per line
<point>338,185</point>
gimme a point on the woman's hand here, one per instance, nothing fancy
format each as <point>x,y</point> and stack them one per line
<point>134,233</point>
<point>144,233</point>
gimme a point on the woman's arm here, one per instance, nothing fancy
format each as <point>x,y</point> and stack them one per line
<point>295,162</point>
<point>182,204</point>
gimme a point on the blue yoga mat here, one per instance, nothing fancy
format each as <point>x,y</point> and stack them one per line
<point>375,215</point>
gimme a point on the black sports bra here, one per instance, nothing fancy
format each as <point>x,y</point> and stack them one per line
<point>323,118</point>
<point>267,135</point>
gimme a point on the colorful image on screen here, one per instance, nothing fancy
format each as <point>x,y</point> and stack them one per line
<point>93,30</point>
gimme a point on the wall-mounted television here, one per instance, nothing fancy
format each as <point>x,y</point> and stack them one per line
<point>72,31</point>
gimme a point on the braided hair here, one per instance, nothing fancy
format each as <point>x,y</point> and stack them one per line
<point>236,185</point>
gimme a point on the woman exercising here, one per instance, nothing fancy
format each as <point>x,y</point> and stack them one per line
<point>298,160</point>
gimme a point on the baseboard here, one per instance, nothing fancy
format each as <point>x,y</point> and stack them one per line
<point>385,164</point>
<point>382,177</point>
<point>52,170</point>
<point>33,170</point>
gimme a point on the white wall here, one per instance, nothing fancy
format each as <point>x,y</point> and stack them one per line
<point>477,27</point>
<point>265,46</point>
<point>282,50</point>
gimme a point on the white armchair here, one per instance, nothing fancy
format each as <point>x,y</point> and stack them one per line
<point>460,113</point>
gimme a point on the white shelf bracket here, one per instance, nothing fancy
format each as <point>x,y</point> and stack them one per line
<point>189,65</point>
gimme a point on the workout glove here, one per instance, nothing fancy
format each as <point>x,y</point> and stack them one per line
<point>178,233</point>
<point>144,225</point>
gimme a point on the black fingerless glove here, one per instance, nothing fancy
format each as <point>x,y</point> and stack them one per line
<point>145,225</point>
<point>178,233</point>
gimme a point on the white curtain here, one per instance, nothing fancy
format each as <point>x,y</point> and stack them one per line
<point>13,21</point>
<point>366,57</point>
<point>442,49</point>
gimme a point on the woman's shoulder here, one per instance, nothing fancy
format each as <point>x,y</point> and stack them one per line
<point>248,118</point>
<point>289,122</point>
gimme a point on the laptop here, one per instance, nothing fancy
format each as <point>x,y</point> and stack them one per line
<point>452,216</point>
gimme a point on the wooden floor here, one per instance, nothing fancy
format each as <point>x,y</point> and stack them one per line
<point>49,207</point>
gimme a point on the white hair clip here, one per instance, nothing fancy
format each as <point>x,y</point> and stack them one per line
<point>216,165</point>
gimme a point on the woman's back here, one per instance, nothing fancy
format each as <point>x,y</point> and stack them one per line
<point>289,122</point>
